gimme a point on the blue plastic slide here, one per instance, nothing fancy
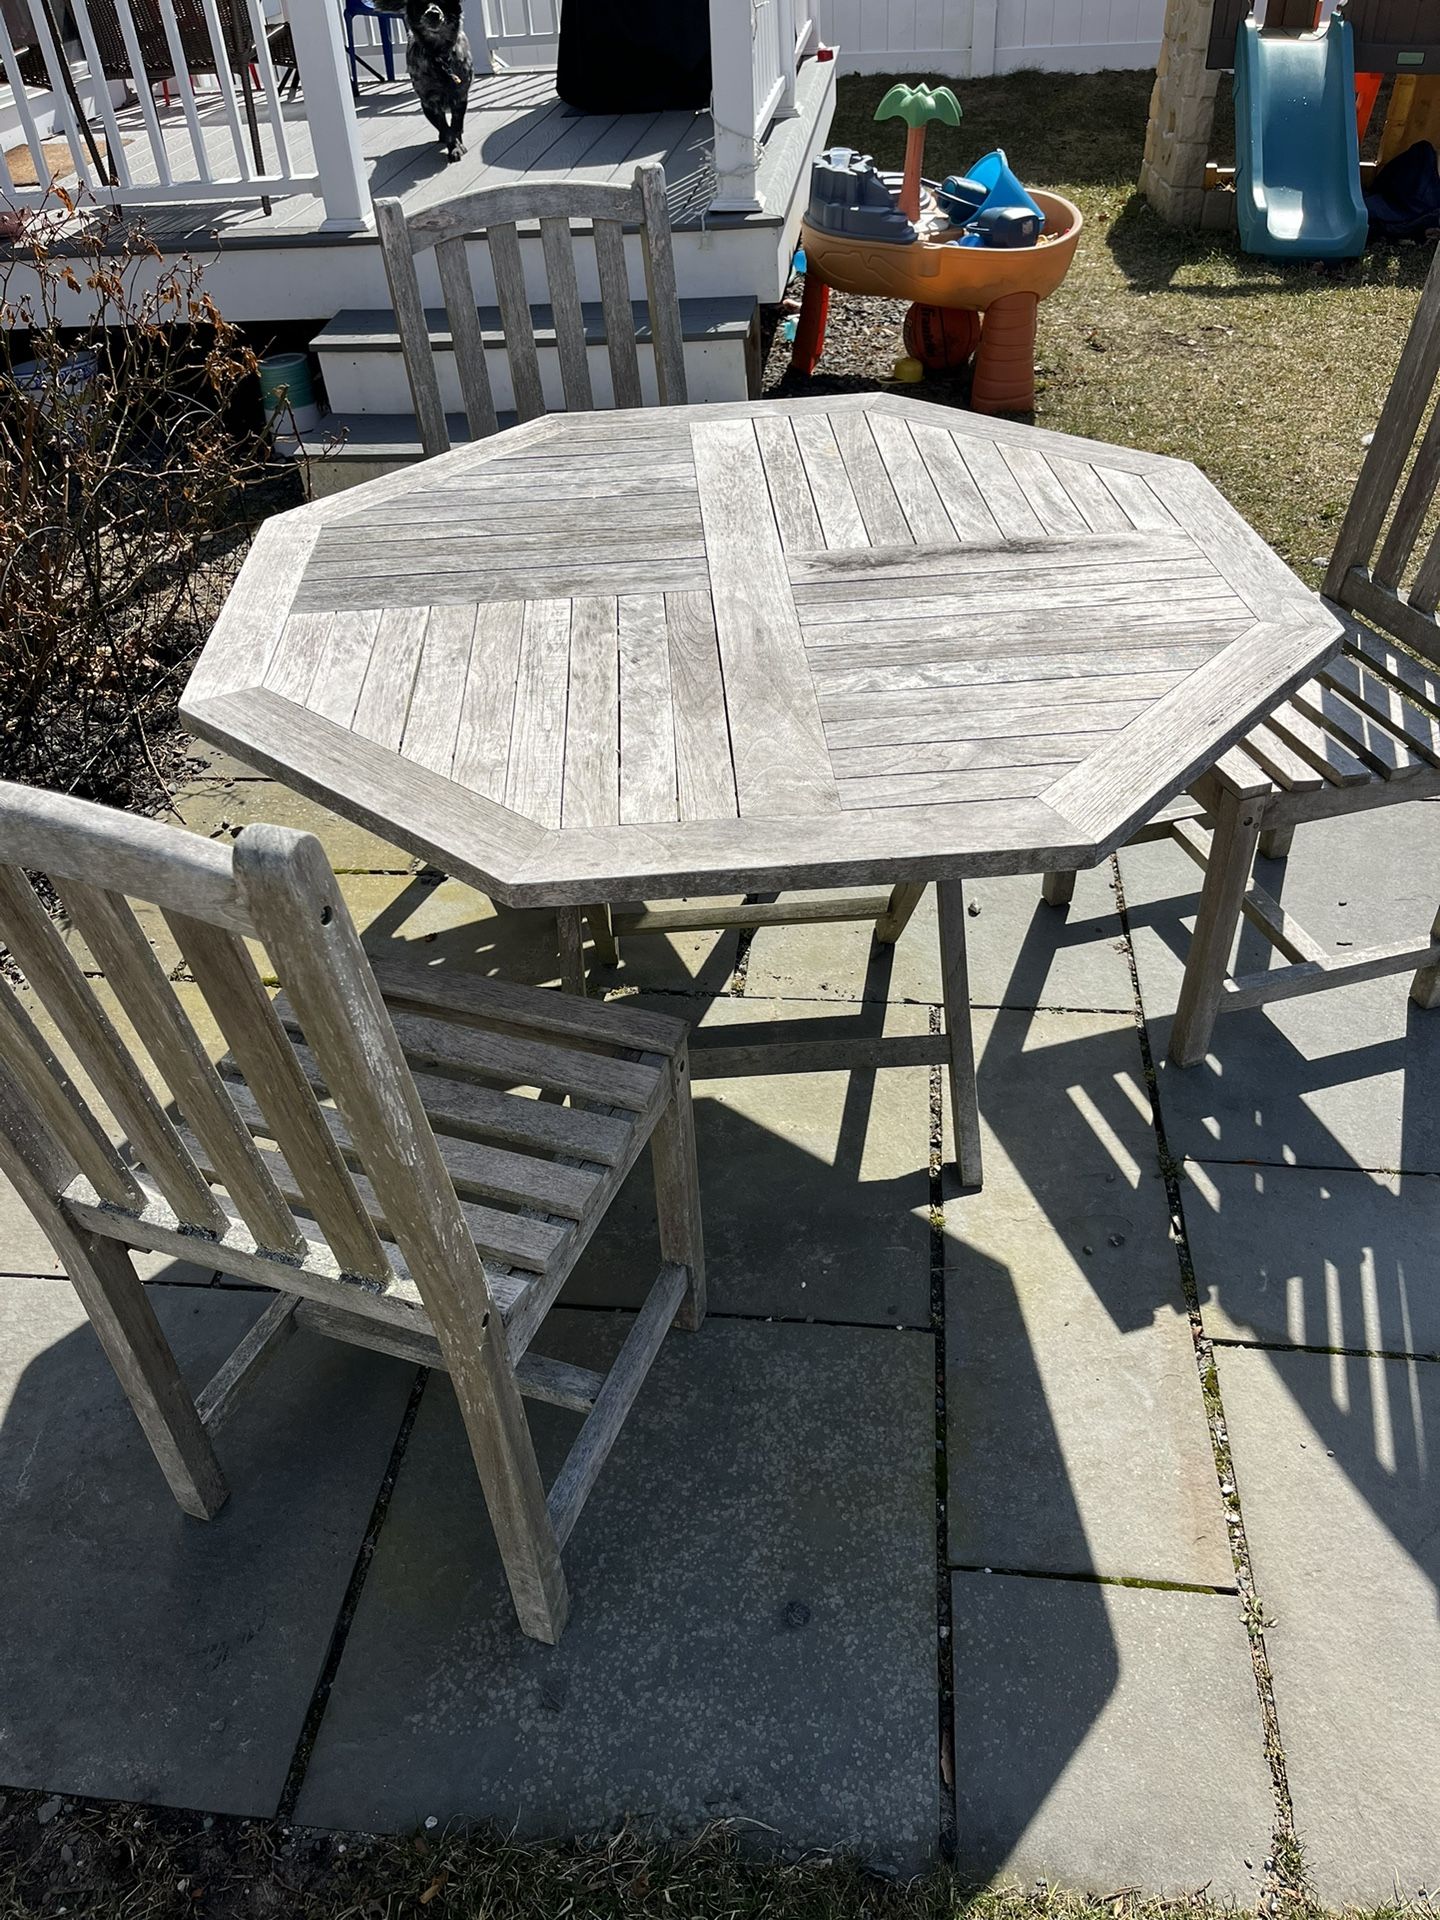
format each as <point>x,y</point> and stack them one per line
<point>1297,154</point>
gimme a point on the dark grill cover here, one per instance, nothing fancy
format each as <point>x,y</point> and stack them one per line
<point>634,56</point>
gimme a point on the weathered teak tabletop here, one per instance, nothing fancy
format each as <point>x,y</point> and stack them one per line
<point>755,647</point>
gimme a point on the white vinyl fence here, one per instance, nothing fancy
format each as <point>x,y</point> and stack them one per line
<point>959,38</point>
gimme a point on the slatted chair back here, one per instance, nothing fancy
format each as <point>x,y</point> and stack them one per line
<point>1386,562</point>
<point>195,1161</point>
<point>495,213</point>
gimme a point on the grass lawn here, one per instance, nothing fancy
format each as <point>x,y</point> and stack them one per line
<point>1267,375</point>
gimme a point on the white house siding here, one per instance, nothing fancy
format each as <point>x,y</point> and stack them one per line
<point>961,38</point>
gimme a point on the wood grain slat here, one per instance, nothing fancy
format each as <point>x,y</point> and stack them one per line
<point>948,789</point>
<point>384,703</point>
<point>983,697</point>
<point>920,502</point>
<point>1142,506</point>
<point>777,742</point>
<point>487,701</point>
<point>1033,669</point>
<point>1059,749</point>
<point>958,635</point>
<point>920,723</point>
<point>292,666</point>
<point>1286,767</point>
<point>647,727</point>
<point>705,772</point>
<point>534,776</point>
<point>1261,579</point>
<point>1048,500</point>
<point>1366,737</point>
<point>1377,696</point>
<point>885,523</point>
<point>785,475</point>
<point>964,503</point>
<point>1174,557</point>
<point>998,487</point>
<point>917,600</point>
<point>830,489</point>
<point>341,668</point>
<point>591,795</point>
<point>545,580</point>
<point>1332,760</point>
<point>433,722</point>
<point>1097,506</point>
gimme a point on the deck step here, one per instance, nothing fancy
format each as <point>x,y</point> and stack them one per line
<point>364,369</point>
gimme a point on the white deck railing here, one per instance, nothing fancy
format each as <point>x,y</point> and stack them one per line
<point>755,46</point>
<point>230,139</point>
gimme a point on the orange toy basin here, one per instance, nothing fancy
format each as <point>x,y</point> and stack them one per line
<point>946,276</point>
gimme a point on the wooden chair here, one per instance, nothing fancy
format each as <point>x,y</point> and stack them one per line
<point>359,1150</point>
<point>1364,733</point>
<point>495,212</point>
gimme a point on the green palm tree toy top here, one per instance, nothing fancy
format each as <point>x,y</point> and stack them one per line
<point>917,107</point>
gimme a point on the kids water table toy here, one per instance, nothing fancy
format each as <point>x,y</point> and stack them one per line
<point>854,242</point>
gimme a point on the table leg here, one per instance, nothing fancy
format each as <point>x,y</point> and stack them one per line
<point>570,931</point>
<point>955,987</point>
<point>1233,840</point>
<point>810,327</point>
<point>904,899</point>
<point>602,935</point>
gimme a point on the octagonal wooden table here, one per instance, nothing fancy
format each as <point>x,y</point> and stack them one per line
<point>759,647</point>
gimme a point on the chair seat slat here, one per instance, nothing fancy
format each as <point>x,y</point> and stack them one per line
<point>1373,694</point>
<point>441,1046</point>
<point>486,1174</point>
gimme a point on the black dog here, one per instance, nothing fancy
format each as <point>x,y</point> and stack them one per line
<point>441,68</point>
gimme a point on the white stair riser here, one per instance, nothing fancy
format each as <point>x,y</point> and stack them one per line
<point>374,381</point>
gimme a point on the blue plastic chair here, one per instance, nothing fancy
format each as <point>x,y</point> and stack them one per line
<point>388,17</point>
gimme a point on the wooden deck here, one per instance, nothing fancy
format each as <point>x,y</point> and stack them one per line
<point>518,127</point>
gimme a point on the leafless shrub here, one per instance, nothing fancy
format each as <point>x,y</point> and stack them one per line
<point>128,489</point>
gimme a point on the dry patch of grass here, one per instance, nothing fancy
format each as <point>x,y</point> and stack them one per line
<point>127,1863</point>
<point>1267,375</point>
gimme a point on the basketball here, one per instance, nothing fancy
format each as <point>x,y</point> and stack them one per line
<point>941,337</point>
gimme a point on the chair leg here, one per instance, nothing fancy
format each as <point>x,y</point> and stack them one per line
<point>1233,842</point>
<point>602,935</point>
<point>504,1456</point>
<point>955,977</point>
<point>1425,987</point>
<point>1058,889</point>
<point>119,1309</point>
<point>677,1194</point>
<point>570,931</point>
<point>904,899</point>
<point>1275,843</point>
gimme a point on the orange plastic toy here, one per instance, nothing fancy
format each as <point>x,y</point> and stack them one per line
<point>1004,284</point>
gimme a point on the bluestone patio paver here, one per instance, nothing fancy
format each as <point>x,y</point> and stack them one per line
<point>1077,1433</point>
<point>814,1187</point>
<point>1332,1079</point>
<point>224,806</point>
<point>1022,953</point>
<point>1107,1737</point>
<point>1298,1256</point>
<point>1334,1459</point>
<point>753,1625</point>
<point>150,1656</point>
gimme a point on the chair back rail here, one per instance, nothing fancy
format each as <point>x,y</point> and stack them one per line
<point>495,213</point>
<point>1393,504</point>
